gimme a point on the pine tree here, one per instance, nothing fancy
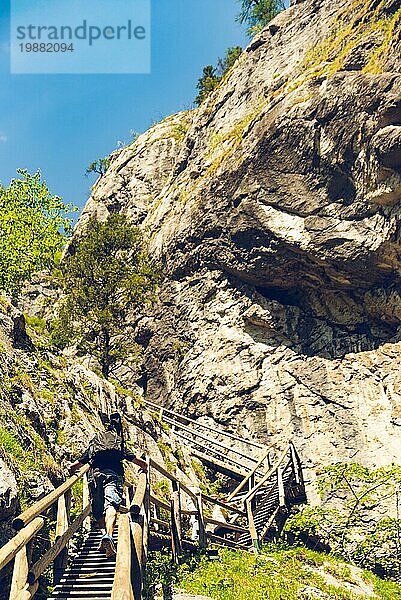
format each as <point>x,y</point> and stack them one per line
<point>258,13</point>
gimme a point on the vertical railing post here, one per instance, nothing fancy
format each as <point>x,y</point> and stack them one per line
<point>280,483</point>
<point>295,464</point>
<point>252,527</point>
<point>176,536</point>
<point>251,486</point>
<point>85,502</point>
<point>201,522</point>
<point>20,572</point>
<point>63,522</point>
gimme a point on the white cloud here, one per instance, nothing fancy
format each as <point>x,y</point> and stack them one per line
<point>3,138</point>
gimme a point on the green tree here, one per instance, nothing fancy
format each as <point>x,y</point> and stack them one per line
<point>33,229</point>
<point>98,166</point>
<point>107,273</point>
<point>358,518</point>
<point>207,83</point>
<point>231,56</point>
<point>258,13</point>
<point>213,75</point>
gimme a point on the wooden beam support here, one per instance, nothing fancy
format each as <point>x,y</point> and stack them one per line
<point>228,507</point>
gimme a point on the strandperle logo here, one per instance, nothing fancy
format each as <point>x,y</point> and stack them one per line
<point>89,33</point>
<point>80,36</point>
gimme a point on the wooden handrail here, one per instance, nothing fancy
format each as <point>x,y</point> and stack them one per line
<point>247,478</point>
<point>168,475</point>
<point>42,505</point>
<point>139,495</point>
<point>9,550</point>
<point>274,468</point>
<point>212,429</point>
<point>122,588</point>
<point>215,443</point>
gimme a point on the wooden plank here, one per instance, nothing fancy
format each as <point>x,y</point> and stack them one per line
<point>295,462</point>
<point>171,477</point>
<point>41,565</point>
<point>155,500</point>
<point>219,541</point>
<point>176,536</point>
<point>261,483</point>
<point>137,559</point>
<point>139,495</point>
<point>159,502</point>
<point>160,522</point>
<point>42,505</point>
<point>9,550</point>
<point>215,443</point>
<point>236,470</point>
<point>122,588</point>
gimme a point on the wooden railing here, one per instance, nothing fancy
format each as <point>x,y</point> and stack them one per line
<point>151,521</point>
<point>25,575</point>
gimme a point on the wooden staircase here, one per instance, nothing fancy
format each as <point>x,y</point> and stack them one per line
<point>89,575</point>
<point>255,510</point>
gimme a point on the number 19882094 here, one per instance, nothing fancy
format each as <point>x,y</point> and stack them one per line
<point>48,47</point>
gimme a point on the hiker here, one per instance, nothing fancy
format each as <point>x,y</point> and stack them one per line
<point>105,454</point>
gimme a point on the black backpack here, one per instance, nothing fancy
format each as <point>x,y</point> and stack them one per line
<point>105,442</point>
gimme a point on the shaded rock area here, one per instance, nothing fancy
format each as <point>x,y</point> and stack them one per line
<point>275,210</point>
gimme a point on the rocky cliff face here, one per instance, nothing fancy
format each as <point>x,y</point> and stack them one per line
<point>275,208</point>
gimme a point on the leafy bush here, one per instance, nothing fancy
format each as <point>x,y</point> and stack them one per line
<point>353,519</point>
<point>33,227</point>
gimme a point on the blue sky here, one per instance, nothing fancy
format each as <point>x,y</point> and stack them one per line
<point>60,123</point>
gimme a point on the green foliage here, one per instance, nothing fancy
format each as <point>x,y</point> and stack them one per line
<point>99,166</point>
<point>38,324</point>
<point>106,274</point>
<point>353,519</point>
<point>278,574</point>
<point>33,227</point>
<point>256,14</point>
<point>160,571</point>
<point>212,76</point>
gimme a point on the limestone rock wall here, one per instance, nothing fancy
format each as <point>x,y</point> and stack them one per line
<point>275,210</point>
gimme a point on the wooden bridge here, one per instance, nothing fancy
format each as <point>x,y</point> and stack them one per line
<point>183,519</point>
